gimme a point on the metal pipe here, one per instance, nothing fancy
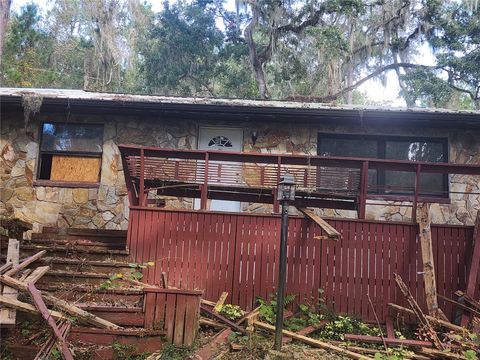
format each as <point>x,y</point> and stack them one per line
<point>281,276</point>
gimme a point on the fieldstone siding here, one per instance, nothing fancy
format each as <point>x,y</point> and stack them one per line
<point>107,205</point>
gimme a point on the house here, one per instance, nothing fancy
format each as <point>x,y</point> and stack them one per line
<point>194,182</point>
<point>61,165</point>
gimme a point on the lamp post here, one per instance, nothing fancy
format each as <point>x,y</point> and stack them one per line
<point>286,193</point>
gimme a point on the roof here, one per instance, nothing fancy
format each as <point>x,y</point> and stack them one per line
<point>262,109</point>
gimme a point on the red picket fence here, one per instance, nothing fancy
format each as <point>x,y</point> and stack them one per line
<point>238,253</point>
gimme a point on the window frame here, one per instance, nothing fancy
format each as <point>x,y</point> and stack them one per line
<point>381,141</point>
<point>92,154</point>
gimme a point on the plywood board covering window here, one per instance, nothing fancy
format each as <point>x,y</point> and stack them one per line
<point>70,152</point>
<point>73,168</point>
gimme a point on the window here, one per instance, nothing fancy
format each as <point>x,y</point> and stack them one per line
<point>220,141</point>
<point>395,148</point>
<point>70,152</point>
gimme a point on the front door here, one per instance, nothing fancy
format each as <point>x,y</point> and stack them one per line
<point>223,139</point>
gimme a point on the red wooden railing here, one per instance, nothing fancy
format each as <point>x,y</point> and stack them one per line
<point>238,253</point>
<point>324,182</point>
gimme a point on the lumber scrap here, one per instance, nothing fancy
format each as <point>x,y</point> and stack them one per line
<point>472,274</point>
<point>37,274</point>
<point>418,312</point>
<point>365,350</point>
<point>305,331</point>
<point>437,354</point>
<point>9,316</point>
<point>21,306</point>
<point>460,305</point>
<point>314,342</point>
<point>331,232</point>
<point>40,304</point>
<point>25,263</point>
<point>223,319</point>
<point>5,267</point>
<point>433,320</point>
<point>212,348</point>
<point>64,305</point>
<point>46,349</point>
<point>220,302</point>
<point>389,341</point>
<point>212,323</point>
<point>425,235</point>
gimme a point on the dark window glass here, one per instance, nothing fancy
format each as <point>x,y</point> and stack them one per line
<point>72,137</point>
<point>391,182</point>
<point>404,182</point>
<point>348,147</point>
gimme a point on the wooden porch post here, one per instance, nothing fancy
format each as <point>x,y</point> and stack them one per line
<point>428,263</point>
<point>204,194</point>
<point>362,203</point>
<point>418,169</point>
<point>141,197</point>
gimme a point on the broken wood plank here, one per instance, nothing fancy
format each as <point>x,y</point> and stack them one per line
<point>212,323</point>
<point>332,233</point>
<point>46,349</point>
<point>65,306</point>
<point>21,306</point>
<point>5,267</point>
<point>460,305</point>
<point>37,274</point>
<point>208,302</point>
<point>389,341</point>
<point>209,350</point>
<point>426,246</point>
<point>25,263</point>
<point>359,349</point>
<point>437,354</point>
<point>8,316</point>
<point>40,304</point>
<point>313,342</point>
<point>433,320</point>
<point>223,319</point>
<point>418,312</point>
<point>305,331</point>
<point>220,302</point>
<point>472,275</point>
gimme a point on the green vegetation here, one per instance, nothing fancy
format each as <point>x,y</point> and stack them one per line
<point>320,50</point>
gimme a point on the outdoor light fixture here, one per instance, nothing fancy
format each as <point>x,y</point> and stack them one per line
<point>286,194</point>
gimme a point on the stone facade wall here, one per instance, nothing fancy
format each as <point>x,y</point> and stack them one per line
<point>107,205</point>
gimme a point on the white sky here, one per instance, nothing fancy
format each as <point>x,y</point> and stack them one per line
<point>373,89</point>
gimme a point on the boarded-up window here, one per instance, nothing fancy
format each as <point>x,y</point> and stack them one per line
<point>71,152</point>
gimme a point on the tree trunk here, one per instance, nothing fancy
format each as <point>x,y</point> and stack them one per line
<point>255,61</point>
<point>4,15</point>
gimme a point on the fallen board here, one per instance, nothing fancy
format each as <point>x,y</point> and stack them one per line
<point>8,316</point>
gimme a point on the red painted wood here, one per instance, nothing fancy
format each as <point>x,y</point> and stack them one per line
<point>237,253</point>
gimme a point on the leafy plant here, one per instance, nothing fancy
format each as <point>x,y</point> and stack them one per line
<point>268,309</point>
<point>336,329</point>
<point>232,312</point>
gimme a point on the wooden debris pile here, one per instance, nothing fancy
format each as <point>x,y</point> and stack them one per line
<point>17,279</point>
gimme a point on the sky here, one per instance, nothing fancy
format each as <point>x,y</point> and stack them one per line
<point>373,89</point>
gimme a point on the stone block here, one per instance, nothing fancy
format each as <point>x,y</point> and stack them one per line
<point>80,196</point>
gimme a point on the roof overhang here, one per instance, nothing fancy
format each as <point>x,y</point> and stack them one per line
<point>79,101</point>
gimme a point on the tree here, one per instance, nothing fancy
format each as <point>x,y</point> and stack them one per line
<point>4,16</point>
<point>455,40</point>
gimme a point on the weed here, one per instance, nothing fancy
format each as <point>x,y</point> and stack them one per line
<point>232,312</point>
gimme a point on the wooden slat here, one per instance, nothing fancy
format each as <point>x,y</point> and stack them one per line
<point>8,316</point>
<point>25,263</point>
<point>37,274</point>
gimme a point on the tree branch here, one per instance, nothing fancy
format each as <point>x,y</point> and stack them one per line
<point>372,75</point>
